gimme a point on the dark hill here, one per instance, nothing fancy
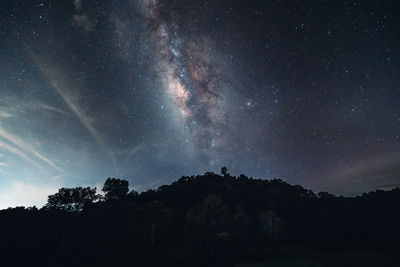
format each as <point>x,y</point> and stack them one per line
<point>196,221</point>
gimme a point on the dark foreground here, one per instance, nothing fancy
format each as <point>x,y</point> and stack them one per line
<point>207,220</point>
<point>328,259</point>
<point>336,254</point>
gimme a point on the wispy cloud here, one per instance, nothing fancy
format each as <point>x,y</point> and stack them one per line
<point>71,99</point>
<point>25,147</point>
<point>11,106</point>
<point>68,97</point>
<point>51,108</point>
<point>375,172</point>
<point>2,164</point>
<point>5,114</point>
<point>19,153</point>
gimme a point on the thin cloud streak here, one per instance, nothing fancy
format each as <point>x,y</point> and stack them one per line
<point>67,97</point>
<point>47,107</point>
<point>71,102</point>
<point>25,147</point>
<point>19,153</point>
<point>372,173</point>
<point>5,114</point>
<point>11,106</point>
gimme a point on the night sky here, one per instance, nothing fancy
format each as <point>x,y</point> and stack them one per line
<point>150,90</point>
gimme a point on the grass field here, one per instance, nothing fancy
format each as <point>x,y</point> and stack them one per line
<point>334,259</point>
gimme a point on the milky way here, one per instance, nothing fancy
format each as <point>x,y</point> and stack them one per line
<point>191,76</point>
<point>151,90</point>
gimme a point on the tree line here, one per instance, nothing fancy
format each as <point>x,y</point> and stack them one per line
<point>203,220</point>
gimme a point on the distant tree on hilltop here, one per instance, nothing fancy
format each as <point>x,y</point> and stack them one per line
<point>115,188</point>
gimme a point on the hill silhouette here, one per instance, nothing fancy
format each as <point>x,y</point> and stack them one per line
<point>204,220</point>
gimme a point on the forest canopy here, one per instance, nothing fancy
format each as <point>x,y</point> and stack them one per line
<point>196,220</point>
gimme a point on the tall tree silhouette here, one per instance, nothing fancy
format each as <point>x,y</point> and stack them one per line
<point>115,188</point>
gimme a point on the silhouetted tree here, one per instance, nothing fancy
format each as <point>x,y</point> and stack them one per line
<point>72,199</point>
<point>325,195</point>
<point>224,171</point>
<point>115,188</point>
